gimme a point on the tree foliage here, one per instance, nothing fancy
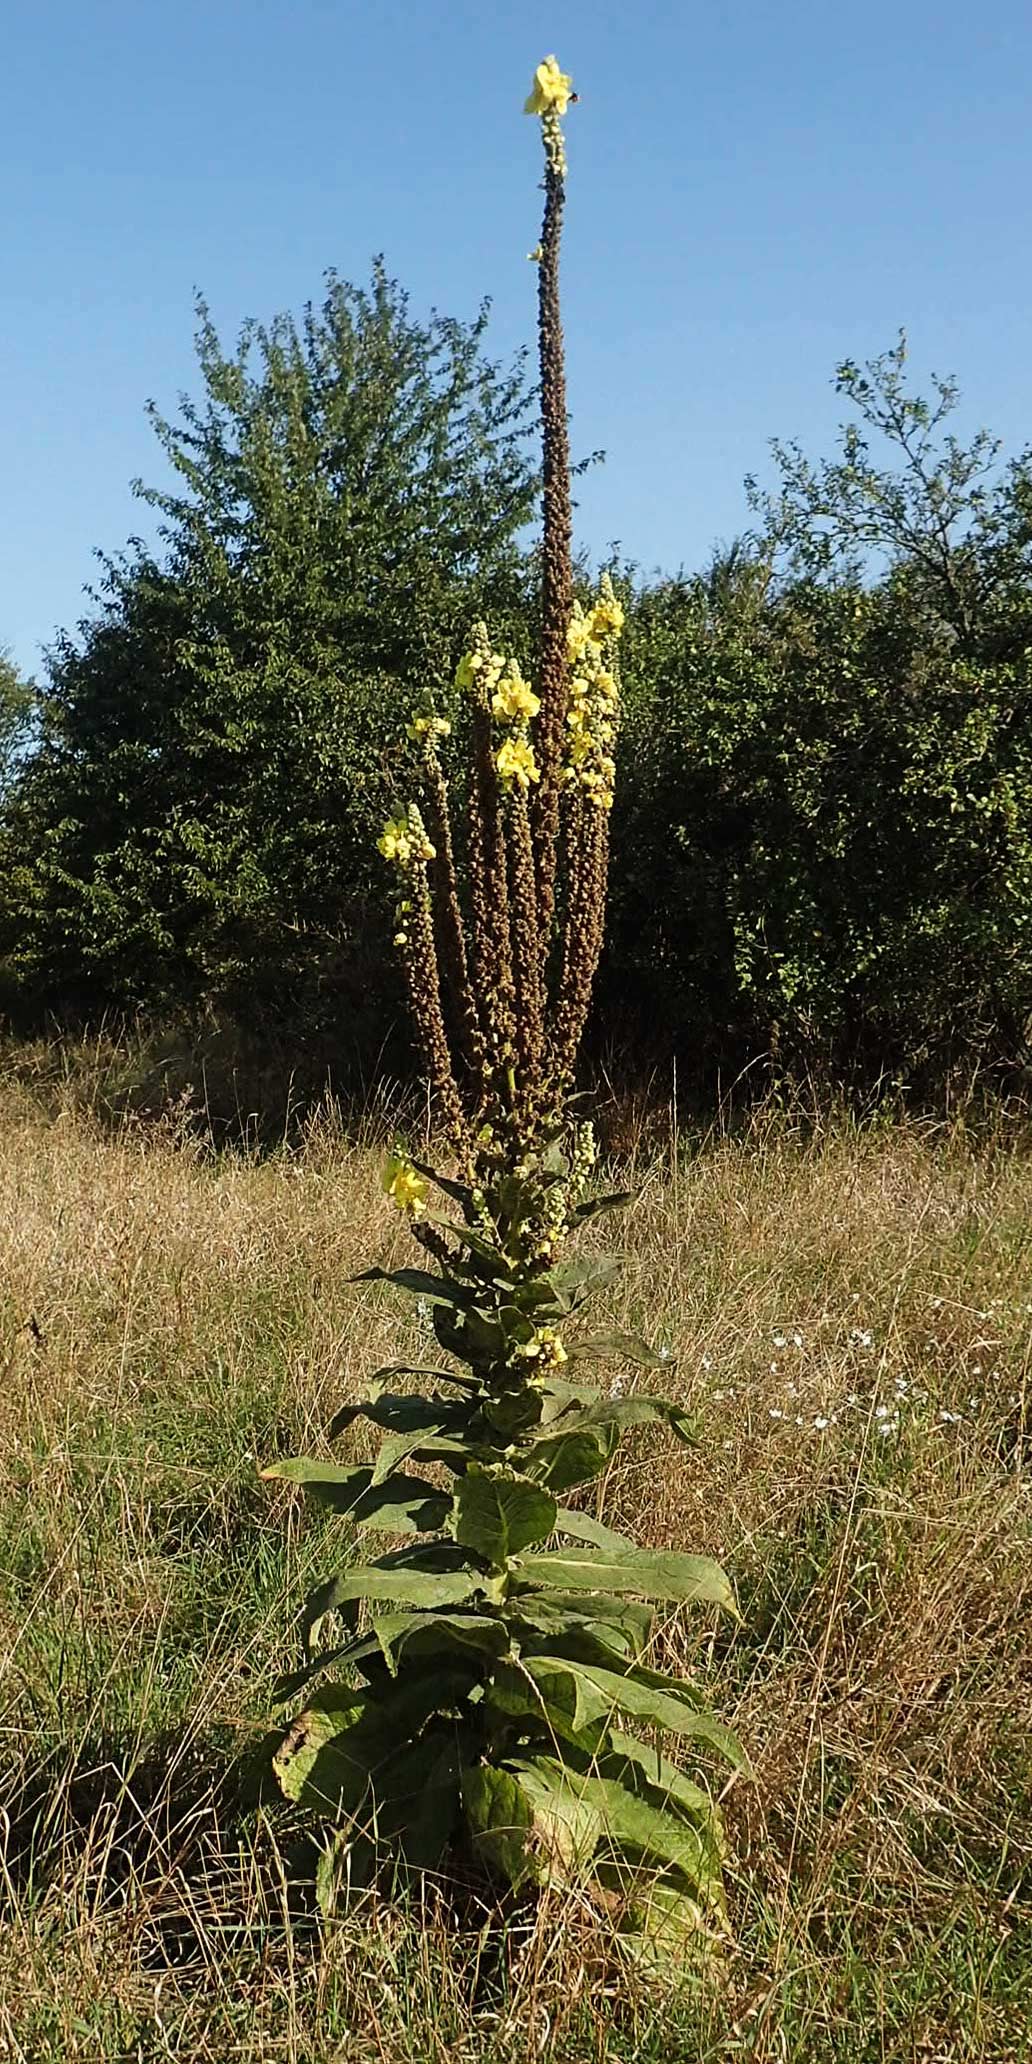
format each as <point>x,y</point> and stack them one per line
<point>213,756</point>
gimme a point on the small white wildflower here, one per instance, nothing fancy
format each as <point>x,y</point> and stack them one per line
<point>617,1386</point>
<point>888,1426</point>
<point>773,1368</point>
<point>852,1399</point>
<point>707,1361</point>
<point>820,1423</point>
<point>774,1413</point>
<point>797,1340</point>
<point>779,1340</point>
<point>949,1418</point>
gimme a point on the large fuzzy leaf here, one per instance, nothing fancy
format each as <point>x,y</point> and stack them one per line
<point>595,1693</point>
<point>497,1513</point>
<point>582,1526</point>
<point>549,1689</point>
<point>561,1618</point>
<point>406,1637</point>
<point>332,1757</point>
<point>571,1455</point>
<point>624,1347</point>
<point>403,1505</point>
<point>576,1281</point>
<point>641,1767</point>
<point>627,1822</point>
<point>499,1818</point>
<point>657,1573</point>
<point>640,1410</point>
<point>398,1446</point>
<point>614,1200</point>
<point>419,1283</point>
<point>405,1586</point>
<point>402,1412</point>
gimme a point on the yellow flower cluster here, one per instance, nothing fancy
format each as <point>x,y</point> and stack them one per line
<point>551,89</point>
<point>428,727</point>
<point>406,1189</point>
<point>550,95</point>
<point>545,1348</point>
<point>593,706</point>
<point>516,764</point>
<point>480,668</point>
<point>514,699</point>
<point>404,839</point>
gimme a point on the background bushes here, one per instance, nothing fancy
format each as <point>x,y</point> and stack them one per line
<point>821,845</point>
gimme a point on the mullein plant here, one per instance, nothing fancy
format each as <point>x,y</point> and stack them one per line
<point>488,1696</point>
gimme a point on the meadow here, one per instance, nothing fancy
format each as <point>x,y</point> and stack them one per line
<point>850,1312</point>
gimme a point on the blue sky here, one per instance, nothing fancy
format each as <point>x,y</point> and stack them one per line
<point>755,192</point>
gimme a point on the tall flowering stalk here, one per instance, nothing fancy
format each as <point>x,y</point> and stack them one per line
<point>502,1649</point>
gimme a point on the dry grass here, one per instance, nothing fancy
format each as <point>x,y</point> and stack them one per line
<point>167,1318</point>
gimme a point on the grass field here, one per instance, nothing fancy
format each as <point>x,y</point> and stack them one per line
<point>852,1318</point>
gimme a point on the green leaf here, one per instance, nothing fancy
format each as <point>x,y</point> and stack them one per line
<point>407,1586</point>
<point>330,1758</point>
<point>498,1512</point>
<point>318,1605</point>
<point>499,1818</point>
<point>339,1485</point>
<point>664,1574</point>
<point>460,1193</point>
<point>581,1526</point>
<point>669,1704</point>
<point>419,1283</point>
<point>567,1821</point>
<point>614,1201</point>
<point>571,1456</point>
<point>624,1347</point>
<point>403,1505</point>
<point>514,1412</point>
<point>439,1375</point>
<point>640,1410</point>
<point>623,1625</point>
<point>398,1412</point>
<point>624,1819</point>
<point>636,1764</point>
<point>576,1281</point>
<point>398,1446</point>
<point>406,1636</point>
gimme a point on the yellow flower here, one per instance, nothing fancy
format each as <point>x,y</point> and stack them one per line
<point>515,697</point>
<point>578,632</point>
<point>429,727</point>
<point>395,842</point>
<point>607,617</point>
<point>551,89</point>
<point>516,763</point>
<point>535,256</point>
<point>606,685</point>
<point>468,669</point>
<point>405,1188</point>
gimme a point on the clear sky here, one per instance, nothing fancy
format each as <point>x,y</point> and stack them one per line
<point>756,191</point>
